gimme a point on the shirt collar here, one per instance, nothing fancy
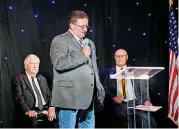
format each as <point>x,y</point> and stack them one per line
<point>78,39</point>
<point>119,68</point>
<point>28,76</point>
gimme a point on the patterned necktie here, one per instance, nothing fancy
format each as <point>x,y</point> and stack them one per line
<point>40,105</point>
<point>123,87</point>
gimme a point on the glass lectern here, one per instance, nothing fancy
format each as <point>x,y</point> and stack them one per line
<point>139,78</point>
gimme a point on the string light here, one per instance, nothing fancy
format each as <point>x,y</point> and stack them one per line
<point>137,3</point>
<point>36,15</point>
<point>113,45</point>
<point>129,29</point>
<point>22,30</point>
<point>144,34</point>
<point>53,2</point>
<point>10,7</point>
<point>149,14</point>
<point>91,30</point>
<point>85,4</point>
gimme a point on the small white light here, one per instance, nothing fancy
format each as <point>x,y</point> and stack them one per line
<point>144,34</point>
<point>22,30</point>
<point>5,58</point>
<point>133,59</point>
<point>113,45</point>
<point>145,59</point>
<point>53,2</point>
<point>137,3</point>
<point>44,40</point>
<point>158,93</point>
<point>165,41</point>
<point>85,4</point>
<point>129,29</point>
<point>91,30</point>
<point>109,17</point>
<point>36,15</point>
<point>176,8</point>
<point>149,14</point>
<point>10,7</point>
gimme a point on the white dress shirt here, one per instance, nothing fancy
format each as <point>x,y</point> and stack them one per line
<point>131,93</point>
<point>38,87</point>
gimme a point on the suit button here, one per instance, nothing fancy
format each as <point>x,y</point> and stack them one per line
<point>91,73</point>
<point>91,84</point>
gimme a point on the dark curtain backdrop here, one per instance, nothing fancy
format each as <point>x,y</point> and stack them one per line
<point>139,26</point>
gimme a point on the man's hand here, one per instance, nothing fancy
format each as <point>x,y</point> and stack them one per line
<point>32,113</point>
<point>51,114</point>
<point>86,51</point>
<point>148,103</point>
<point>117,100</point>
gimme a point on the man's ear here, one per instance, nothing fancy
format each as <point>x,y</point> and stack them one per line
<point>71,25</point>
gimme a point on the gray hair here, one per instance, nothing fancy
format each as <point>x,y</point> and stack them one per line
<point>27,59</point>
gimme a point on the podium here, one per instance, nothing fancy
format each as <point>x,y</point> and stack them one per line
<point>138,78</point>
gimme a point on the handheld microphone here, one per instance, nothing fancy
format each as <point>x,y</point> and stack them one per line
<point>87,44</point>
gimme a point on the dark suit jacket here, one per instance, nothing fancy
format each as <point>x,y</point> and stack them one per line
<point>23,94</point>
<point>110,86</point>
<point>74,78</point>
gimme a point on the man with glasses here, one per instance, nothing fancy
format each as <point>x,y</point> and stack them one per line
<point>76,82</point>
<point>119,92</point>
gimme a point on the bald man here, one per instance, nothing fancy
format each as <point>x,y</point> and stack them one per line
<point>118,96</point>
<point>31,95</point>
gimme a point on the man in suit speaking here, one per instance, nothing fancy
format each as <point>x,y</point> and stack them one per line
<point>76,83</point>
<point>31,95</point>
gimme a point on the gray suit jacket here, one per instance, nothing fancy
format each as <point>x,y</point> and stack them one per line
<point>74,78</point>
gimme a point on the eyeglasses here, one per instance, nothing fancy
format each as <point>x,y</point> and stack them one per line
<point>83,26</point>
<point>122,56</point>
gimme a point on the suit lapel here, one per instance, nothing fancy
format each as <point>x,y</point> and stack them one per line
<point>73,39</point>
<point>113,81</point>
<point>26,80</point>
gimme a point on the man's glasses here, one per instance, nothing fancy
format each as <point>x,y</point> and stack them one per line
<point>83,26</point>
<point>120,56</point>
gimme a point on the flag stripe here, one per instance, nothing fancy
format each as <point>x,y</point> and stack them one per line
<point>173,68</point>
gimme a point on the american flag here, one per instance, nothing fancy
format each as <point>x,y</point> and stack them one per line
<point>173,101</point>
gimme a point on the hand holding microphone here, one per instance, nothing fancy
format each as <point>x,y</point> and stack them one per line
<point>86,51</point>
<point>86,48</point>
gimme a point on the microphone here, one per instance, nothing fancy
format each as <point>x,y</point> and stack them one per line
<point>86,44</point>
